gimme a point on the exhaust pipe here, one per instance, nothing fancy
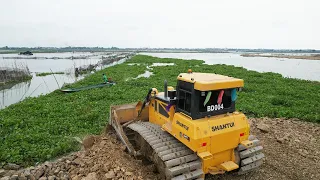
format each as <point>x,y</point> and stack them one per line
<point>165,89</point>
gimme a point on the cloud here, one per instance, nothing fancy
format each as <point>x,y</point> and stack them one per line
<point>179,23</point>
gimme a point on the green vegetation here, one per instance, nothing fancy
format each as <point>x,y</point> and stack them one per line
<point>14,73</point>
<point>14,81</point>
<point>38,129</point>
<point>49,73</point>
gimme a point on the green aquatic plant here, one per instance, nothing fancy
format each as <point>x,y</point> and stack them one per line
<point>49,73</point>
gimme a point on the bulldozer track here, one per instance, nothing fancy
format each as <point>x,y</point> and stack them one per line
<point>173,159</point>
<point>250,158</point>
<point>176,161</point>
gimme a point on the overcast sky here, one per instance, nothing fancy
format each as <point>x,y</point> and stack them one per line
<point>279,24</point>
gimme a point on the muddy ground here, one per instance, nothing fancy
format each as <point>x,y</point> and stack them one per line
<point>292,150</point>
<point>291,147</point>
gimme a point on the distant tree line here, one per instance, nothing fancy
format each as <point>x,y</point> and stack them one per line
<point>99,49</point>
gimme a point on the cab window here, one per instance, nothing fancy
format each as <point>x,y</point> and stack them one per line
<point>184,101</point>
<point>208,100</point>
<point>162,111</point>
<point>156,106</point>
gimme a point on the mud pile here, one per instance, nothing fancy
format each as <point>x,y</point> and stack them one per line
<point>102,158</point>
<point>292,150</point>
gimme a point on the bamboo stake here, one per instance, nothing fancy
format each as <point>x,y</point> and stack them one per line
<point>55,78</point>
<point>45,83</point>
<point>35,90</point>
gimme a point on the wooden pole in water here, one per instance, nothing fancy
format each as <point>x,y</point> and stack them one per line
<point>55,78</point>
<point>35,89</point>
<point>3,98</point>
<point>5,76</point>
<point>27,91</point>
<point>45,83</point>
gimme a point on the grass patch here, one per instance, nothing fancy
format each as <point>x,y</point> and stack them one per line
<point>38,129</point>
<point>49,73</point>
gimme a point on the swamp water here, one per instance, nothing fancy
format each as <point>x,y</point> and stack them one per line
<point>41,85</point>
<point>292,68</point>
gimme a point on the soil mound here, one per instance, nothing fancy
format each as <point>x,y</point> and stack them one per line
<point>292,150</point>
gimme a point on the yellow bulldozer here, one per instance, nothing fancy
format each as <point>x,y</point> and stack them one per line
<point>192,130</point>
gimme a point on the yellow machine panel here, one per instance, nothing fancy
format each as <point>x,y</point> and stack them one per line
<point>210,135</point>
<point>208,81</point>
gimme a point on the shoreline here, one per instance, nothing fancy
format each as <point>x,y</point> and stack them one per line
<point>302,57</point>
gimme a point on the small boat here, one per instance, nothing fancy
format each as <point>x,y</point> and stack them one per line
<point>29,53</point>
<point>70,90</point>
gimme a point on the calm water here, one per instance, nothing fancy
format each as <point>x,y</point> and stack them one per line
<point>11,94</point>
<point>33,88</point>
<point>294,68</point>
<point>56,65</point>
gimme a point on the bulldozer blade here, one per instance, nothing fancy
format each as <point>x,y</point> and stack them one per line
<point>139,107</point>
<point>122,114</point>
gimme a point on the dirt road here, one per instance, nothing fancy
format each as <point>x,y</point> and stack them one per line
<point>292,150</point>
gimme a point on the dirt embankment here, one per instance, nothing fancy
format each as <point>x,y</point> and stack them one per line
<point>308,57</point>
<point>292,150</point>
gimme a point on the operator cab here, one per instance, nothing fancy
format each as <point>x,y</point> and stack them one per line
<point>200,95</point>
